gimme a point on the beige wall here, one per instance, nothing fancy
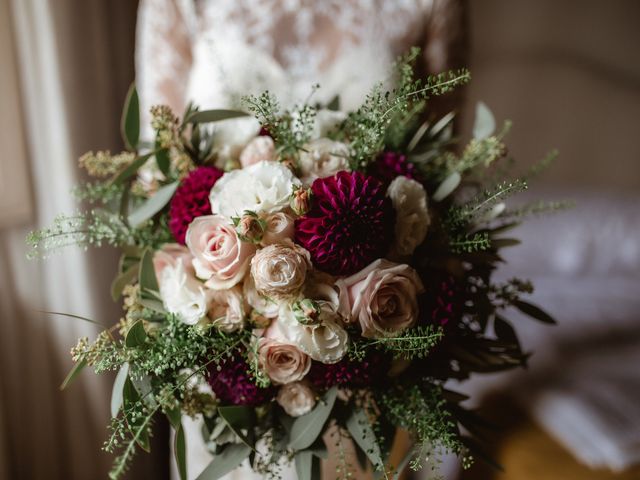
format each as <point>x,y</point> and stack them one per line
<point>568,74</point>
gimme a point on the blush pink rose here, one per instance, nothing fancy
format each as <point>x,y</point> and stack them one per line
<point>219,256</point>
<point>279,228</point>
<point>282,362</point>
<point>382,298</point>
<point>259,149</point>
<point>227,309</point>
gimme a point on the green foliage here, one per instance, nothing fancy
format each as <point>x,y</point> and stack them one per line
<point>290,129</point>
<point>470,243</point>
<point>411,344</point>
<point>366,128</point>
<point>422,410</point>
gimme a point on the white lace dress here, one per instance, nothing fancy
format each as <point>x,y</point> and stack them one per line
<point>213,52</point>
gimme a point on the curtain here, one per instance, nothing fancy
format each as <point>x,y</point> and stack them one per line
<point>74,59</point>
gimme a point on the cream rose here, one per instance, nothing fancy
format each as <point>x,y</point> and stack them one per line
<point>409,200</point>
<point>227,309</point>
<point>264,187</point>
<point>382,298</point>
<point>325,341</point>
<point>279,228</point>
<point>220,257</point>
<point>258,149</point>
<point>282,362</point>
<point>279,270</point>
<point>322,158</point>
<point>182,294</point>
<point>296,398</point>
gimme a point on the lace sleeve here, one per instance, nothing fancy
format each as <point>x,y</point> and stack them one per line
<point>163,56</point>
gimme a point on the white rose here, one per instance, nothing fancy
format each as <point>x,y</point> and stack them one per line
<point>226,309</point>
<point>264,187</point>
<point>296,398</point>
<point>322,158</point>
<point>264,306</point>
<point>258,149</point>
<point>409,200</point>
<point>324,342</point>
<point>182,294</point>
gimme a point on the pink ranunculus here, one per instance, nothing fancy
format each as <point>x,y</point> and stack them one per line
<point>382,298</point>
<point>220,257</point>
<point>259,149</point>
<point>282,362</point>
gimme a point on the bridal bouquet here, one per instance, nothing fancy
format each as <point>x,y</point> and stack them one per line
<point>302,279</point>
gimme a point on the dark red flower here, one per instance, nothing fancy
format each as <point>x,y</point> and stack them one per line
<point>349,225</point>
<point>390,165</point>
<point>191,200</point>
<point>444,303</point>
<point>231,381</point>
<point>348,373</point>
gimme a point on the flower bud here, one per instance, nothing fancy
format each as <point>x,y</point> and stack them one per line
<point>250,227</point>
<point>301,201</point>
<point>307,311</point>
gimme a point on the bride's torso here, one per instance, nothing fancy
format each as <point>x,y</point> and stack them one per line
<point>284,46</point>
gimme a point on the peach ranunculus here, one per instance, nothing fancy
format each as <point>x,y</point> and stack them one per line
<point>227,309</point>
<point>382,298</point>
<point>259,149</point>
<point>282,362</point>
<point>220,257</point>
<point>279,228</point>
<point>279,270</point>
<point>296,398</point>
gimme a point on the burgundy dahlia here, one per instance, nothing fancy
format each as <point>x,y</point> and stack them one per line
<point>191,200</point>
<point>444,305</point>
<point>349,225</point>
<point>232,383</point>
<point>390,165</point>
<point>348,373</point>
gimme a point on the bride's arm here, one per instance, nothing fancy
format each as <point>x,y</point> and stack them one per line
<point>446,47</point>
<point>163,56</point>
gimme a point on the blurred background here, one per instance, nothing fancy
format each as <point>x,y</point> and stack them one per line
<point>566,73</point>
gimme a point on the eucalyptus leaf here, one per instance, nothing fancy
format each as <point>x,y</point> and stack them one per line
<point>153,205</point>
<point>131,169</point>
<point>117,390</point>
<point>534,311</point>
<point>447,187</point>
<point>498,243</point>
<point>180,452</point>
<point>228,460</point>
<point>334,104</point>
<point>239,418</point>
<point>304,462</point>
<point>174,416</point>
<point>207,116</point>
<point>136,335</point>
<point>403,463</point>
<point>415,140</point>
<point>123,280</point>
<point>306,428</point>
<point>162,160</point>
<point>147,274</point>
<point>71,315</point>
<point>130,122</point>
<point>484,124</point>
<point>145,389</point>
<point>441,125</point>
<point>152,304</point>
<point>362,433</point>
<point>73,373</point>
